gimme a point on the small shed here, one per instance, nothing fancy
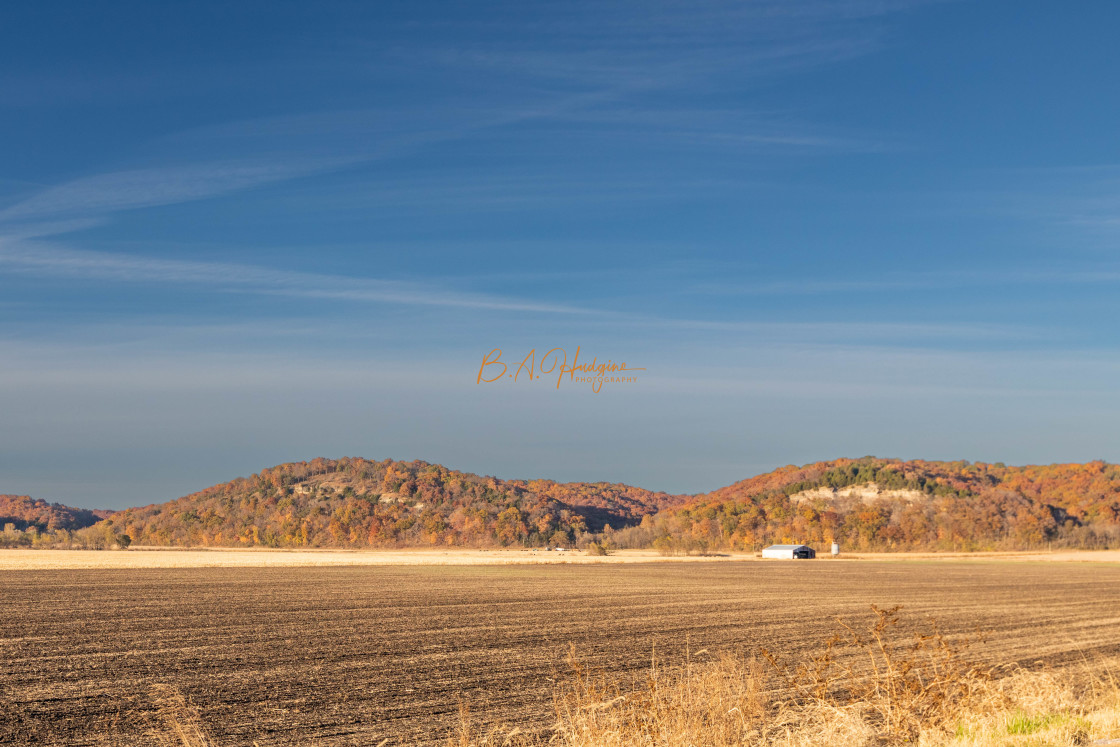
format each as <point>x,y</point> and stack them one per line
<point>789,552</point>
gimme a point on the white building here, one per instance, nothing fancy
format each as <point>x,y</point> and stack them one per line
<point>789,552</point>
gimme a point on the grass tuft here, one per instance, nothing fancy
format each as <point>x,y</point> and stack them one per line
<point>180,721</point>
<point>869,685</point>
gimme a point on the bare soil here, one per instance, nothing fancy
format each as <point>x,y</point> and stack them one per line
<point>354,655</point>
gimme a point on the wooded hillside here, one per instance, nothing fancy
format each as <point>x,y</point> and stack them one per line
<point>885,504</point>
<point>23,517</point>
<point>863,504</point>
<point>353,502</point>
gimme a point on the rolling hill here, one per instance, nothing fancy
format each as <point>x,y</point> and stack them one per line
<point>360,503</point>
<point>890,504</point>
<point>864,504</point>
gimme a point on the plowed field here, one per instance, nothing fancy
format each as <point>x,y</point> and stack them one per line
<point>358,655</point>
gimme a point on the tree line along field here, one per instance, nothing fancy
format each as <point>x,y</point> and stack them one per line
<point>867,504</point>
<point>359,655</point>
<point>913,505</point>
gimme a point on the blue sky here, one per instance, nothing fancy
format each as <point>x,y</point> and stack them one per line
<point>238,234</point>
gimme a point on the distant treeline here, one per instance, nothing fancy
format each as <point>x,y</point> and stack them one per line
<point>27,521</point>
<point>913,505</point>
<point>864,504</point>
<point>362,503</point>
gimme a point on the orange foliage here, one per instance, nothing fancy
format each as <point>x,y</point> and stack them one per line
<point>354,502</point>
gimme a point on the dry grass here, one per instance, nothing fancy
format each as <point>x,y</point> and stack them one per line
<point>900,685</point>
<point>869,686</point>
<point>178,723</point>
<point>1048,708</point>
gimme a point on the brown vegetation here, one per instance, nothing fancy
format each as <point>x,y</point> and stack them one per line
<point>914,505</point>
<point>866,686</point>
<point>361,503</point>
<point>864,504</point>
<point>25,520</point>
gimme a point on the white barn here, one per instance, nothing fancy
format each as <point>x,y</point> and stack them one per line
<point>789,552</point>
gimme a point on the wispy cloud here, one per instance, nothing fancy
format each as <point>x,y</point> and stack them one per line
<point>51,261</point>
<point>310,144</point>
<point>140,188</point>
<point>630,43</point>
<point>845,332</point>
<point>604,67</point>
<point>1088,273</point>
